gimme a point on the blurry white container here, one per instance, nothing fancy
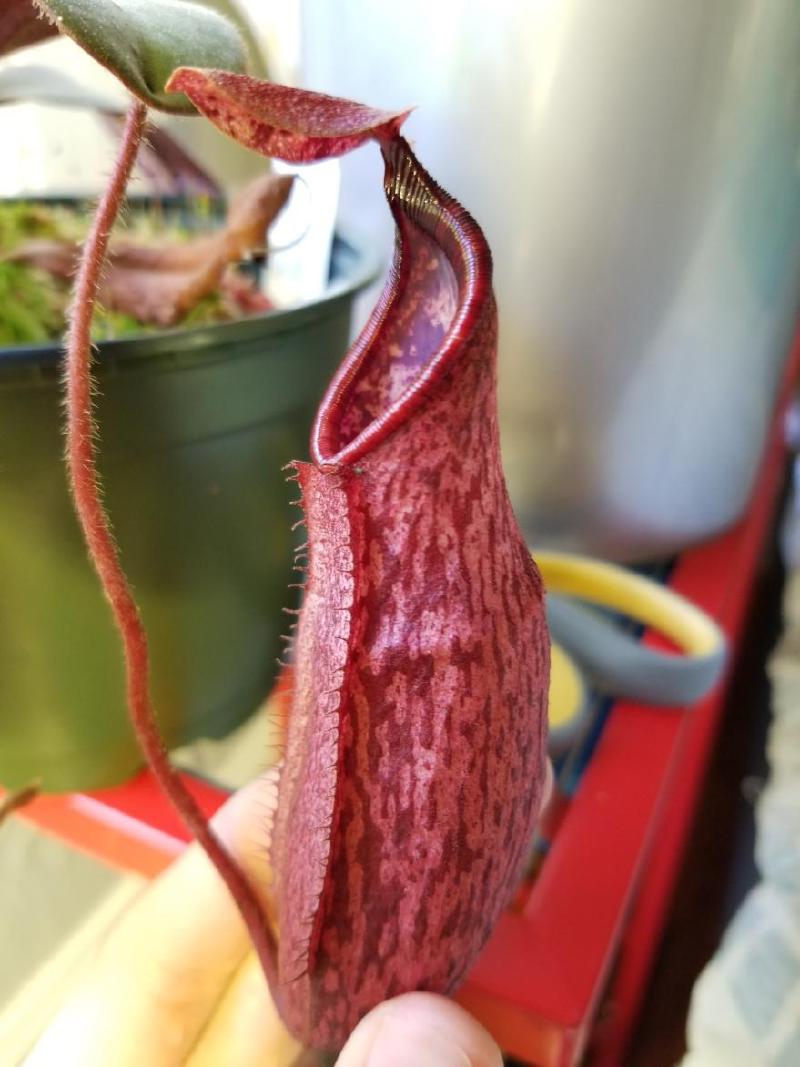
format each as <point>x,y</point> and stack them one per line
<point>635,165</point>
<point>66,150</point>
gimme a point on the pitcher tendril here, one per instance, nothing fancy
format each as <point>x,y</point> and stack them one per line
<point>81,455</point>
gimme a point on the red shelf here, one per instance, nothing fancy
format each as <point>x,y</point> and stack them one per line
<point>129,826</point>
<point>601,898</point>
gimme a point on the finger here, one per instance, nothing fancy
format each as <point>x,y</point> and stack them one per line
<point>549,786</point>
<point>420,1028</point>
<point>244,825</point>
<point>245,1030</point>
<point>154,981</point>
<point>164,967</point>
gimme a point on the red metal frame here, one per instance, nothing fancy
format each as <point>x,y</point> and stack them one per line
<point>130,826</point>
<point>602,895</point>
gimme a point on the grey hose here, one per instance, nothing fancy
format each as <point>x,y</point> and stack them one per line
<point>617,664</point>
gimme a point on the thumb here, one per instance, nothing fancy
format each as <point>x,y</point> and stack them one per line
<point>421,1029</point>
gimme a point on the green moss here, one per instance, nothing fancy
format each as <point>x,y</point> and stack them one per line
<point>108,324</point>
<point>33,304</point>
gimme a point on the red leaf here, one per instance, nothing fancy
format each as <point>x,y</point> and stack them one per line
<point>276,120</point>
<point>21,25</point>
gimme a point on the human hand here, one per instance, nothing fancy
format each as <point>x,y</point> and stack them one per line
<point>176,985</point>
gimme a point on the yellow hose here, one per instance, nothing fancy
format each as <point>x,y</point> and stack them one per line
<point>640,598</point>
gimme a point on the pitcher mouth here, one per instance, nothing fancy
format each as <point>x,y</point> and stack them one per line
<point>438,287</point>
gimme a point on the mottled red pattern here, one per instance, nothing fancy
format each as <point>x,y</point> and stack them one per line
<point>415,759</point>
<point>276,120</point>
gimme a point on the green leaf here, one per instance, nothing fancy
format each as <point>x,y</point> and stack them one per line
<point>143,41</point>
<point>231,11</point>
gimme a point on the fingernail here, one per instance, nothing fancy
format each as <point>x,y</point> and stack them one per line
<point>419,1030</point>
<point>422,1045</point>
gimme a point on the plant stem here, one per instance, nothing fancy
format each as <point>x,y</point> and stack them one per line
<point>86,491</point>
<point>19,799</point>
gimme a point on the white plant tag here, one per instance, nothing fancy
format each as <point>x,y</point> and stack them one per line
<point>300,239</point>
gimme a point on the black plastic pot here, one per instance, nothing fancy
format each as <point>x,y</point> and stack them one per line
<point>195,427</point>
